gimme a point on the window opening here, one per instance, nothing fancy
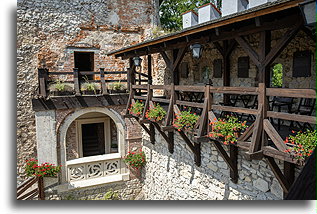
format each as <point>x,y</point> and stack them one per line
<point>84,61</point>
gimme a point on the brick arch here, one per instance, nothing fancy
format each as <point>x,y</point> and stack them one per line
<point>71,117</point>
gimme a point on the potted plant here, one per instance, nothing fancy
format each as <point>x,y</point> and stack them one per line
<point>136,109</point>
<point>44,170</point>
<point>135,160</point>
<point>60,88</point>
<point>90,88</point>
<point>155,114</point>
<point>301,145</point>
<point>186,121</point>
<point>227,130</point>
<point>117,87</point>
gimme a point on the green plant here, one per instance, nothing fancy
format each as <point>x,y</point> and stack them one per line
<point>111,195</point>
<point>117,86</point>
<point>135,159</point>
<point>185,120</point>
<point>157,113</point>
<point>89,86</point>
<point>44,170</point>
<point>277,76</point>
<point>137,108</point>
<point>60,86</point>
<point>302,144</point>
<point>227,130</point>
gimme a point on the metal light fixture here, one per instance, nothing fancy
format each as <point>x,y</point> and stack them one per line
<point>196,48</point>
<point>137,61</point>
<point>308,9</point>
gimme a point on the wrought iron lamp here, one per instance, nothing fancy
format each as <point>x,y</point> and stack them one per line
<point>196,48</point>
<point>137,61</point>
<point>308,9</point>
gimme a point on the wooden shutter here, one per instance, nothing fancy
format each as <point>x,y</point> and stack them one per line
<point>243,67</point>
<point>302,64</point>
<point>217,68</point>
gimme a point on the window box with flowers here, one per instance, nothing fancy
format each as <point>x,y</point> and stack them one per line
<point>156,114</point>
<point>227,130</point>
<point>135,161</point>
<point>32,168</point>
<point>136,109</point>
<point>185,121</point>
<point>301,145</point>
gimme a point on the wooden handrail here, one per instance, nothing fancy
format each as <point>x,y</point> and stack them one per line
<point>22,189</point>
<point>296,93</point>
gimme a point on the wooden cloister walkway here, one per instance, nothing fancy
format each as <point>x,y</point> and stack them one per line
<point>226,34</point>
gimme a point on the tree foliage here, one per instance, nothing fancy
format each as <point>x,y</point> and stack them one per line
<point>171,10</point>
<point>277,76</point>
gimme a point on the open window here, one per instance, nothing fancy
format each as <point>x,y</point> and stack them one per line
<point>96,136</point>
<point>84,61</point>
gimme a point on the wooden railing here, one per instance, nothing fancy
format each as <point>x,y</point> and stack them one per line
<point>255,140</point>
<point>45,77</point>
<point>32,188</point>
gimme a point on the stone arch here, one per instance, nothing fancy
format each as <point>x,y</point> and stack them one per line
<point>67,121</point>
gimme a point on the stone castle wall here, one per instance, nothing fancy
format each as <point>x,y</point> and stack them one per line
<point>176,177</point>
<point>48,32</point>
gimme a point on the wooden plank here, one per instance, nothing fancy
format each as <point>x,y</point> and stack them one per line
<point>167,60</point>
<point>224,155</point>
<point>235,109</point>
<point>274,135</point>
<point>33,192</point>
<point>278,174</point>
<point>166,87</point>
<point>274,153</point>
<point>282,43</point>
<point>289,173</point>
<point>243,145</point>
<point>41,188</point>
<point>256,135</point>
<point>76,82</point>
<point>152,133</point>
<point>247,133</point>
<point>296,93</point>
<point>176,110</point>
<point>189,88</point>
<point>212,117</point>
<point>102,81</point>
<point>139,87</point>
<point>168,128</point>
<point>140,97</point>
<point>233,150</point>
<point>203,120</point>
<point>235,90</point>
<point>262,12</point>
<point>292,117</point>
<point>191,104</point>
<point>160,100</point>
<point>27,186</point>
<point>249,50</point>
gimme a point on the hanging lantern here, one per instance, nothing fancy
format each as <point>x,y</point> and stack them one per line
<point>196,48</point>
<point>137,61</point>
<point>308,9</point>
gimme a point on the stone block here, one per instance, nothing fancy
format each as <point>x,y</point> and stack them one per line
<point>261,185</point>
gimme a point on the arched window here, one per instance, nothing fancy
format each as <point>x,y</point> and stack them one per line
<point>96,135</point>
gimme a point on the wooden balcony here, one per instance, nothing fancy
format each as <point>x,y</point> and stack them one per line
<point>261,140</point>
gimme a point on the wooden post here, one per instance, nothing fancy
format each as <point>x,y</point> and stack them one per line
<point>42,77</point>
<point>264,47</point>
<point>234,158</point>
<point>149,67</point>
<point>103,82</point>
<point>175,74</point>
<point>76,82</point>
<point>289,173</point>
<point>226,72</point>
<point>41,188</point>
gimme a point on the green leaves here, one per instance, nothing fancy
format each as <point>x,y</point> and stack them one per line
<point>137,108</point>
<point>185,120</point>
<point>157,113</point>
<point>171,10</point>
<point>135,159</point>
<point>227,130</point>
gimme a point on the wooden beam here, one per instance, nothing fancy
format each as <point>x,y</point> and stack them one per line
<point>257,132</point>
<point>262,12</point>
<point>249,50</point>
<point>278,174</point>
<point>195,148</point>
<point>282,43</point>
<point>224,155</point>
<point>274,135</point>
<point>233,150</point>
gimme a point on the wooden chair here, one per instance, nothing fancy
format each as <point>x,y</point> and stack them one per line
<point>306,106</point>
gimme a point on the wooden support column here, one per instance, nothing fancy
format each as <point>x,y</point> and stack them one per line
<point>42,78</point>
<point>175,74</point>
<point>103,82</point>
<point>233,150</point>
<point>152,133</point>
<point>76,82</point>
<point>264,47</point>
<point>149,66</point>
<point>41,188</point>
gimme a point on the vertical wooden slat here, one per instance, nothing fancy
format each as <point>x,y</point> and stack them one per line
<point>42,76</point>
<point>149,66</point>
<point>233,150</point>
<point>41,188</point>
<point>103,82</point>
<point>76,82</point>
